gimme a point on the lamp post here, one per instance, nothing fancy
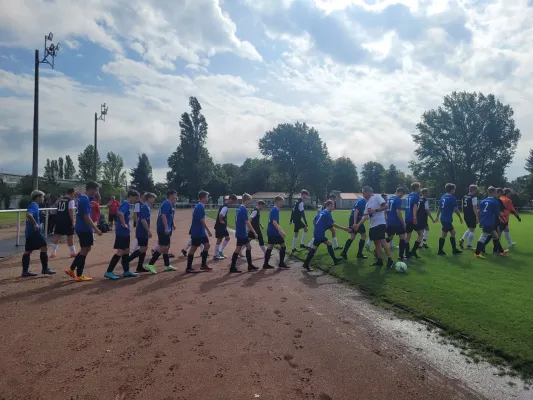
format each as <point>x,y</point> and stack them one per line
<point>49,51</point>
<point>103,113</point>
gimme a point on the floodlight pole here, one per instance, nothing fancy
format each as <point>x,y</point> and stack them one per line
<point>103,113</point>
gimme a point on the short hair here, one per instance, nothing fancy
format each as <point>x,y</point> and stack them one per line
<point>507,191</point>
<point>149,195</point>
<point>202,194</point>
<point>35,194</point>
<point>332,196</point>
<point>384,195</point>
<point>278,198</point>
<point>425,190</point>
<point>70,191</point>
<point>232,197</point>
<point>329,203</point>
<point>401,190</point>
<point>491,190</point>
<point>246,197</point>
<point>449,187</point>
<point>472,188</point>
<point>303,191</point>
<point>367,189</point>
<point>91,185</point>
<point>415,186</point>
<point>499,190</point>
<point>133,193</point>
<point>261,203</point>
<point>171,192</point>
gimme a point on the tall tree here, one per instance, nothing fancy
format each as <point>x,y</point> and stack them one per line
<point>191,165</point>
<point>61,166</point>
<point>252,176</point>
<point>219,185</point>
<point>392,179</point>
<point>113,170</point>
<point>372,175</point>
<point>55,168</point>
<point>471,138</point>
<point>317,175</point>
<point>48,172</point>
<point>141,175</point>
<point>529,162</point>
<point>344,176</point>
<point>70,171</point>
<point>232,171</point>
<point>86,164</point>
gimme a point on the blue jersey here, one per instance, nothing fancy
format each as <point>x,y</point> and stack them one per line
<point>241,216</point>
<point>197,228</point>
<point>489,210</point>
<point>144,215</point>
<point>124,209</point>
<point>33,209</point>
<point>167,210</point>
<point>395,205</point>
<point>274,216</point>
<point>83,209</point>
<point>412,200</point>
<point>323,223</point>
<point>360,206</point>
<point>447,205</point>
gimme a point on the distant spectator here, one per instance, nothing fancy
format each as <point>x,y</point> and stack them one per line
<point>113,206</point>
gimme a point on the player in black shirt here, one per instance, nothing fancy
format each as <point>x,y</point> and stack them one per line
<point>471,216</point>
<point>299,220</point>
<point>255,219</point>
<point>422,214</point>
<point>65,218</point>
<point>221,227</point>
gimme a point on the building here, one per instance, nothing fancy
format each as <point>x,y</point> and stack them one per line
<point>268,198</point>
<point>345,201</point>
<point>14,179</point>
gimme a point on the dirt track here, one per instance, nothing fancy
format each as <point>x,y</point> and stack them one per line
<point>268,335</point>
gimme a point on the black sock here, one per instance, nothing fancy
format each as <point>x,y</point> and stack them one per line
<point>402,248</point>
<point>441,244</point>
<point>415,247</point>
<point>282,252</point>
<point>388,240</point>
<point>249,257</point>
<point>80,265</point>
<point>126,262</point>
<point>142,256</point>
<point>347,246</point>
<point>454,243</point>
<point>25,262</point>
<point>268,253</point>
<point>166,259</point>
<point>204,255</point>
<point>406,248</point>
<point>310,255</point>
<point>361,246</point>
<point>488,239</point>
<point>75,262</point>
<point>190,259</point>
<point>479,248</point>
<point>234,258</point>
<point>331,253</point>
<point>134,255</point>
<point>498,245</point>
<point>113,263</point>
<point>154,258</point>
<point>44,260</point>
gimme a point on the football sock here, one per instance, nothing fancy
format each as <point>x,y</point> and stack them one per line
<point>361,246</point>
<point>204,255</point>
<point>224,244</point>
<point>190,258</point>
<point>453,243</point>
<point>508,237</point>
<point>268,253</point>
<point>335,242</point>
<point>304,235</point>
<point>331,253</point>
<point>402,248</point>
<point>54,248</point>
<point>282,252</point>
<point>294,239</point>
<point>311,242</point>
<point>72,249</point>
<point>126,262</point>
<point>441,244</point>
<point>263,248</point>
<point>188,245</point>
<point>113,263</point>
<point>426,234</point>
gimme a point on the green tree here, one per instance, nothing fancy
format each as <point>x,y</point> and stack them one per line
<point>232,172</point>
<point>48,172</point>
<point>61,168</point>
<point>529,162</point>
<point>392,179</point>
<point>344,177</point>
<point>252,176</point>
<point>191,165</point>
<point>141,175</point>
<point>317,175</point>
<point>372,175</point>
<point>219,185</point>
<point>70,171</point>
<point>471,138</point>
<point>113,170</point>
<point>5,194</point>
<point>86,164</point>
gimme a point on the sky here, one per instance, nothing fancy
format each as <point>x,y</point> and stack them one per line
<point>362,72</point>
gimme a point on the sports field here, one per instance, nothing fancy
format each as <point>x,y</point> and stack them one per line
<point>488,301</point>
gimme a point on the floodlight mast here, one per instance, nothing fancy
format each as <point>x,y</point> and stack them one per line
<point>103,113</point>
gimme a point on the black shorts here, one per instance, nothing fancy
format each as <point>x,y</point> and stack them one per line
<point>502,226</point>
<point>470,222</point>
<point>275,240</point>
<point>111,217</point>
<point>163,239</point>
<point>63,229</point>
<point>142,241</point>
<point>488,229</point>
<point>122,242</point>
<point>422,226</point>
<point>259,237</point>
<point>395,230</point>
<point>447,226</point>
<point>198,241</point>
<point>298,225</point>
<point>86,239</point>
<point>411,227</point>
<point>221,232</point>
<point>318,241</point>
<point>361,229</point>
<point>378,232</point>
<point>242,242</point>
<point>35,241</point>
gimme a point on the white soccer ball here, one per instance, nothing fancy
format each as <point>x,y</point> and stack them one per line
<point>400,267</point>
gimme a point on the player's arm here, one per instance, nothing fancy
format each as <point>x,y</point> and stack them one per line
<point>250,227</point>
<point>30,218</point>
<point>400,215</point>
<point>456,210</point>
<point>165,222</point>
<point>303,214</point>
<point>72,211</point>
<point>415,210</point>
<point>334,225</point>
<point>438,214</point>
<point>146,227</point>
<point>206,227</point>
<point>222,214</point>
<point>122,220</point>
<point>279,229</point>
<point>90,222</point>
<point>512,210</point>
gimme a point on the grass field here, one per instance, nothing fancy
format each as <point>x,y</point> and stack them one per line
<point>9,218</point>
<point>488,301</point>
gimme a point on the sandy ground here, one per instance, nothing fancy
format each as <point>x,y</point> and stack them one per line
<point>264,335</point>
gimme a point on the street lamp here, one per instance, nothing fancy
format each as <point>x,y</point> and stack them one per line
<point>103,113</point>
<point>50,52</point>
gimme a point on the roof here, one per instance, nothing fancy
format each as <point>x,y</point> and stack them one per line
<point>350,196</point>
<point>270,195</point>
<point>227,196</point>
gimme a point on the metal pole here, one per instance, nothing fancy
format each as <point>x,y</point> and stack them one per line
<point>46,216</point>
<point>95,143</point>
<point>35,169</point>
<point>18,229</point>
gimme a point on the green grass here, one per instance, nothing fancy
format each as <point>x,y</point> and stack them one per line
<point>9,218</point>
<point>486,301</point>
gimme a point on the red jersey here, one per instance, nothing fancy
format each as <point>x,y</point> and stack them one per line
<point>95,211</point>
<point>113,207</point>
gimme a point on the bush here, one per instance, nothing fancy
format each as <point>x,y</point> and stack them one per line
<point>24,202</point>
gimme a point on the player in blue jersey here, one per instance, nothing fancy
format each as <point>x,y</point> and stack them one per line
<point>395,221</point>
<point>165,226</point>
<point>142,231</point>
<point>243,227</point>
<point>324,223</point>
<point>199,234</point>
<point>122,239</point>
<point>411,221</point>
<point>356,215</point>
<point>84,228</point>
<point>275,235</point>
<point>447,207</point>
<point>489,215</point>
<point>34,237</point>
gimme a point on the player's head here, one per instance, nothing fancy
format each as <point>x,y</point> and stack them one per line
<point>91,188</point>
<point>232,199</point>
<point>499,192</point>
<point>133,196</point>
<point>332,197</point>
<point>70,193</point>
<point>172,196</point>
<point>329,205</point>
<point>367,192</point>
<point>492,191</point>
<point>304,194</point>
<point>425,192</point>
<point>472,189</point>
<point>278,201</point>
<point>449,188</point>
<point>507,192</point>
<point>37,196</point>
<point>384,196</point>
<point>246,199</point>
<point>415,187</point>
<point>261,204</point>
<point>203,196</point>
<point>149,198</point>
<point>399,192</point>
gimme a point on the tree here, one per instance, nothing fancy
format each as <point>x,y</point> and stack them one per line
<point>191,165</point>
<point>70,171</point>
<point>219,185</point>
<point>5,194</point>
<point>113,170</point>
<point>252,176</point>
<point>61,166</point>
<point>317,175</point>
<point>344,177</point>
<point>393,178</point>
<point>470,139</point>
<point>232,171</point>
<point>372,175</point>
<point>48,173</point>
<point>141,175</point>
<point>86,164</point>
<point>529,162</point>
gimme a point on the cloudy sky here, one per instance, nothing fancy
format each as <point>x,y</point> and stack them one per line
<point>360,71</point>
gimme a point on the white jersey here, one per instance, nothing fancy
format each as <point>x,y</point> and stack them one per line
<point>378,218</point>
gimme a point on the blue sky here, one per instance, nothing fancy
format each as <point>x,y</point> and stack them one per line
<point>361,72</point>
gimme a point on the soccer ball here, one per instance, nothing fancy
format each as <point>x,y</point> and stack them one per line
<point>400,267</point>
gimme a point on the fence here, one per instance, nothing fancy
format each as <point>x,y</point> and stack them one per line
<point>23,210</point>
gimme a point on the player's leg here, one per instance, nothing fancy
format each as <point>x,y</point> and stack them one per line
<point>165,250</point>
<point>44,259</point>
<point>498,245</point>
<point>26,262</point>
<point>251,266</point>
<point>335,241</point>
<point>304,235</point>
<point>362,240</point>
<point>135,245</point>
<point>507,235</point>
<point>453,242</point>
<point>224,244</point>
<point>470,239</point>
<point>368,243</point>
<point>295,238</point>
<point>205,254</point>
<point>425,237</point>
<point>407,248</point>
<point>218,246</point>
<point>310,255</point>
<point>163,240</point>
<point>403,247</point>
<point>331,253</point>
<point>347,245</point>
<point>57,238</point>
<point>234,257</point>
<point>268,253</point>
<point>417,243</point>
<point>70,244</point>
<point>261,241</point>
<point>480,247</point>
<point>125,259</point>
<point>190,256</point>
<point>442,239</point>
